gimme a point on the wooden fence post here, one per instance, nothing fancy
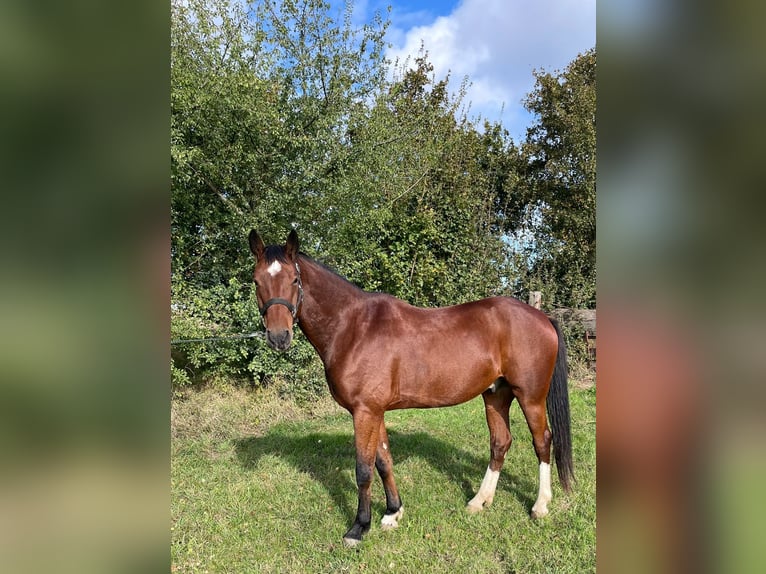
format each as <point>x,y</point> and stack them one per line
<point>536,299</point>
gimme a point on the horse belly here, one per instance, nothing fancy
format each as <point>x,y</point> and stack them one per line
<point>451,378</point>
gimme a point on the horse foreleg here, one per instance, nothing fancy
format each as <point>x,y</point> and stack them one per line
<point>496,404</point>
<point>366,434</point>
<point>385,465</point>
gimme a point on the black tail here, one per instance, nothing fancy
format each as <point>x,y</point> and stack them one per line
<point>558,414</point>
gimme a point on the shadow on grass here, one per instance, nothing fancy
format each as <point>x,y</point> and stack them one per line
<point>326,456</point>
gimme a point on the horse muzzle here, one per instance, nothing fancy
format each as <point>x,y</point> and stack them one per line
<point>279,340</point>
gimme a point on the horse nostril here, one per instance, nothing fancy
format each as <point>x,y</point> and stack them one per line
<point>279,340</point>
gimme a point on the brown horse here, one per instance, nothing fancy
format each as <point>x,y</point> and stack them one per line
<point>381,353</point>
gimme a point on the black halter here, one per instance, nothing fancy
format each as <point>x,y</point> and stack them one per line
<point>279,301</point>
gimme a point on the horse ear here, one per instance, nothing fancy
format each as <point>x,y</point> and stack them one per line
<point>291,247</point>
<point>256,244</point>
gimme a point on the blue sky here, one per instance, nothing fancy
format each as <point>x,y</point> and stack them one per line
<point>496,43</point>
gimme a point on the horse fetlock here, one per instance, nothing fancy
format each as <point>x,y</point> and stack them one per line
<point>355,534</point>
<point>486,493</point>
<point>391,521</point>
<point>544,495</point>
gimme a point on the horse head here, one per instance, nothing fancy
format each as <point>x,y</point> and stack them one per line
<point>279,290</point>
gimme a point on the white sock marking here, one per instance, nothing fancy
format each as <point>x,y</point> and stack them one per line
<point>274,268</point>
<point>390,521</point>
<point>486,492</point>
<point>545,494</point>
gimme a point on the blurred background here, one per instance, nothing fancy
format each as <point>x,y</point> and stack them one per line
<point>680,280</point>
<point>84,288</point>
<point>84,292</point>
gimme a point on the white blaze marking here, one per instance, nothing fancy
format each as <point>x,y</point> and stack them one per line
<point>274,268</point>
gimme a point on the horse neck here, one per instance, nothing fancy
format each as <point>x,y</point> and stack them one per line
<point>327,298</point>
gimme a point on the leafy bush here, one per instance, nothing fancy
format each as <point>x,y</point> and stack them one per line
<point>226,310</point>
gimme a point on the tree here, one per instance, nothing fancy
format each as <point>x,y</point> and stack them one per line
<point>421,222</point>
<point>559,184</point>
<point>260,100</point>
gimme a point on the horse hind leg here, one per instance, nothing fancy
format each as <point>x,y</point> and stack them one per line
<point>497,403</point>
<point>384,463</point>
<point>534,411</point>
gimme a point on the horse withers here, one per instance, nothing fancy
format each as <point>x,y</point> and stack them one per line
<point>381,353</point>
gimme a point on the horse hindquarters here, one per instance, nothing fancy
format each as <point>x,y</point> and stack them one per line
<point>540,387</point>
<point>556,404</point>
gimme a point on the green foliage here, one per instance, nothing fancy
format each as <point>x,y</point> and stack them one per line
<point>228,309</point>
<point>208,313</point>
<point>284,115</point>
<point>420,223</point>
<point>559,185</point>
<point>260,107</point>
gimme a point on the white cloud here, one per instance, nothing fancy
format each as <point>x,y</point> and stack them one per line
<point>497,44</point>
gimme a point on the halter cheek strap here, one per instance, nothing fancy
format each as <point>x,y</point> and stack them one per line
<point>279,301</point>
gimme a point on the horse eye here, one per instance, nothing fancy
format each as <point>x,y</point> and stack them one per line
<point>295,281</point>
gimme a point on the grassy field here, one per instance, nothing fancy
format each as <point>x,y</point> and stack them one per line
<point>260,484</point>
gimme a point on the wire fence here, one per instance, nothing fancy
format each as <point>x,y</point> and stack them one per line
<point>258,334</point>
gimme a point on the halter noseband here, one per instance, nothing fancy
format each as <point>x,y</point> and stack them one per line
<point>279,301</point>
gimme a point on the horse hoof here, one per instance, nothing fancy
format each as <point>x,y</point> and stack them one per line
<point>391,521</point>
<point>350,542</point>
<point>539,513</point>
<point>474,508</point>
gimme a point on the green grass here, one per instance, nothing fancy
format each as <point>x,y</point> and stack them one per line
<point>262,485</point>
